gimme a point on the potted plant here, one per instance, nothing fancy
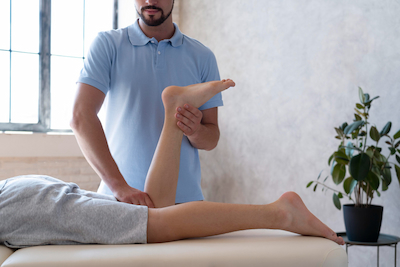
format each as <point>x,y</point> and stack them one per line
<point>369,171</point>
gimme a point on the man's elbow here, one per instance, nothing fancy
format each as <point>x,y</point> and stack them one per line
<point>74,122</point>
<point>211,146</point>
<point>213,142</point>
<point>77,120</point>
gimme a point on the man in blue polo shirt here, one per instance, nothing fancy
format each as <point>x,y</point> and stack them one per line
<point>129,68</point>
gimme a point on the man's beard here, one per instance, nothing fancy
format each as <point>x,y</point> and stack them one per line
<point>151,21</point>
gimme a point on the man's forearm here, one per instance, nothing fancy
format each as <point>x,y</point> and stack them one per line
<point>206,137</point>
<point>92,141</point>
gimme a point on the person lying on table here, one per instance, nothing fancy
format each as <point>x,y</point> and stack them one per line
<point>38,210</point>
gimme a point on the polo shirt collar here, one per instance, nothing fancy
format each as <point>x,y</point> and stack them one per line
<point>138,38</point>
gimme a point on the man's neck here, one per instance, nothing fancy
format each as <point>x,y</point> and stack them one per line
<point>161,32</point>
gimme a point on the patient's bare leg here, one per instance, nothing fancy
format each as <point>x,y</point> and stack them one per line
<point>200,219</point>
<point>162,177</point>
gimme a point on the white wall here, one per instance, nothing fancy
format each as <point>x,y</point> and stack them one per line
<point>297,65</point>
<point>126,13</point>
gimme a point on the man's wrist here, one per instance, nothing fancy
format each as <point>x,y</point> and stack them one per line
<point>116,183</point>
<point>206,137</point>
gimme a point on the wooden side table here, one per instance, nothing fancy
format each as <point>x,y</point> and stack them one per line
<point>383,240</point>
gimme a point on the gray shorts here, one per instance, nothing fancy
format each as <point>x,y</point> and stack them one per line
<point>41,210</point>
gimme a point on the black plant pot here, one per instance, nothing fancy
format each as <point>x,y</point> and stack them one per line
<point>363,224</point>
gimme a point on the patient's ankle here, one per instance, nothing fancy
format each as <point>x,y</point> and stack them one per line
<point>172,97</point>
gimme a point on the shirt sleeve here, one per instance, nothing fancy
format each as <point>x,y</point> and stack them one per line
<point>96,69</point>
<point>211,73</point>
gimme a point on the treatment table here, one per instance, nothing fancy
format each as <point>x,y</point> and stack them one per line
<point>242,248</point>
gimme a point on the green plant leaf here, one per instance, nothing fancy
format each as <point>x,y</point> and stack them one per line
<point>368,102</point>
<point>330,159</point>
<point>386,129</point>
<point>387,176</point>
<point>363,133</point>
<point>384,185</point>
<point>309,184</point>
<point>341,157</point>
<point>397,135</point>
<point>340,195</point>
<point>349,149</point>
<point>359,113</point>
<point>361,95</point>
<point>397,172</point>
<point>339,132</point>
<point>398,159</point>
<point>315,187</point>
<point>339,171</point>
<point>359,106</point>
<point>319,175</point>
<point>366,97</point>
<point>377,192</point>
<point>349,185</point>
<point>359,166</point>
<point>375,169</point>
<point>392,151</point>
<point>397,144</point>
<point>370,151</point>
<point>333,165</point>
<point>373,180</point>
<point>352,127</point>
<point>336,201</point>
<point>374,134</point>
<point>358,118</point>
<point>379,157</point>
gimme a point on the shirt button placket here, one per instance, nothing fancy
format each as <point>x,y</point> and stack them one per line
<point>160,55</point>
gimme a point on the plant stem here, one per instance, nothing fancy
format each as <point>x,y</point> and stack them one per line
<point>330,188</point>
<point>366,128</point>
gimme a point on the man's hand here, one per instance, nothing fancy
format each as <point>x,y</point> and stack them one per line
<point>132,195</point>
<point>189,119</point>
<point>200,127</point>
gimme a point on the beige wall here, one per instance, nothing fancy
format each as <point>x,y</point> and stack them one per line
<point>68,169</point>
<point>55,155</point>
<point>297,65</point>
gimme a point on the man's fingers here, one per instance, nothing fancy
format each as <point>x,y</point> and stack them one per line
<point>195,111</point>
<point>185,120</point>
<point>188,114</point>
<point>148,201</point>
<point>185,129</point>
<point>134,202</point>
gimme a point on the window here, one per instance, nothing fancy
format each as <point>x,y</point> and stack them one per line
<point>42,49</point>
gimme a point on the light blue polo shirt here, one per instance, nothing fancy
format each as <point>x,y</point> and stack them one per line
<point>132,70</point>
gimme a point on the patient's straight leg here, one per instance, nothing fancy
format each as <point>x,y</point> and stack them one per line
<point>200,219</point>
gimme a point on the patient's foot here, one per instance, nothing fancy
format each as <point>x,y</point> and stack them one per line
<point>299,219</point>
<point>195,95</point>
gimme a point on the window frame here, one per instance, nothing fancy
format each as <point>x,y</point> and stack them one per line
<point>44,106</point>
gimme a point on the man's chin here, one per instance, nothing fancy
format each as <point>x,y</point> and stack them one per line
<point>153,22</point>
